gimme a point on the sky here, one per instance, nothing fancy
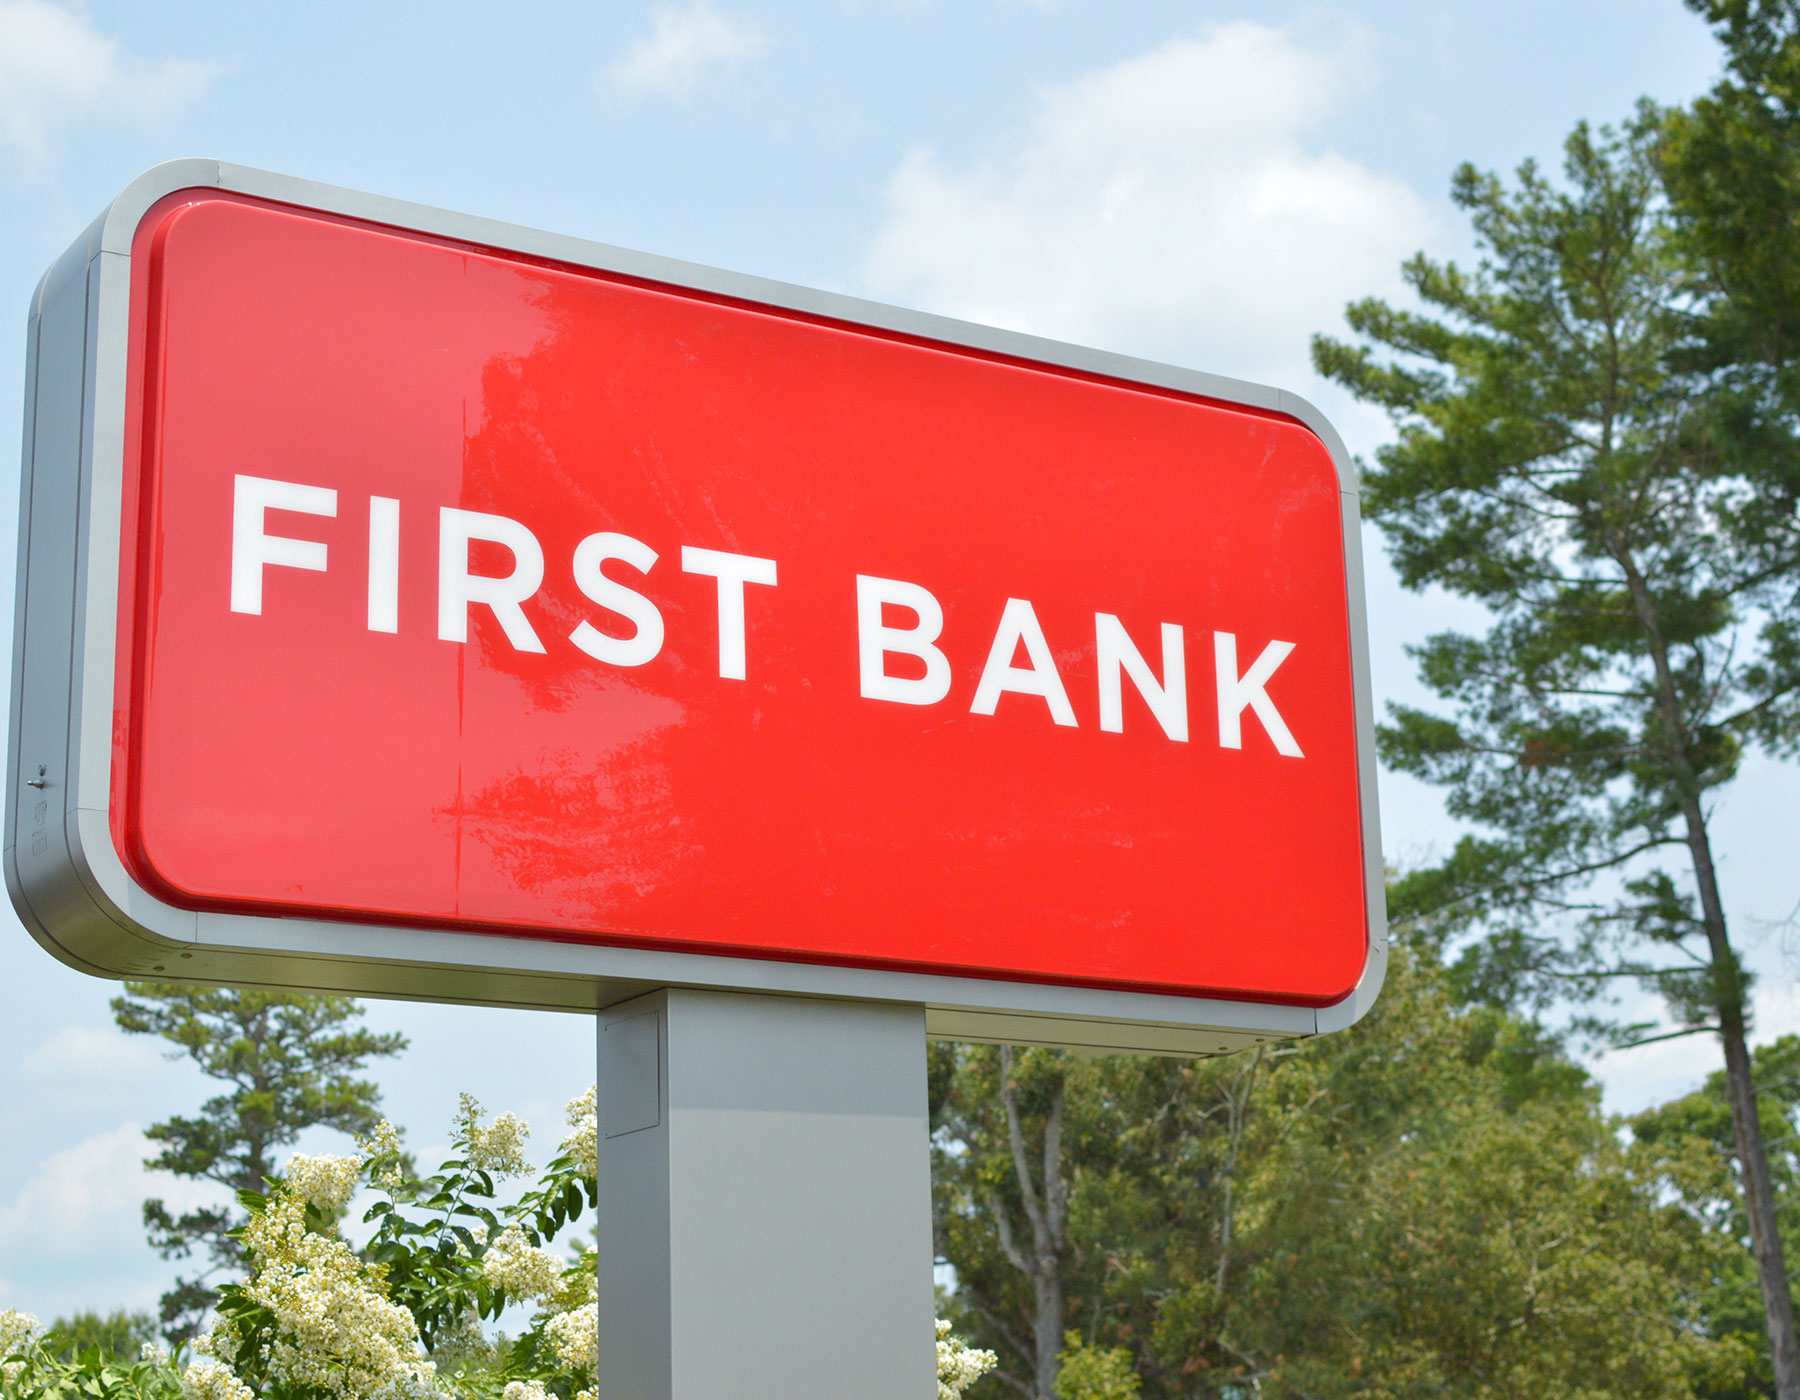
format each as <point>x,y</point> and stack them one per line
<point>1203,183</point>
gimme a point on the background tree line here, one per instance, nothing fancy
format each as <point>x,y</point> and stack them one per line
<point>1432,1204</point>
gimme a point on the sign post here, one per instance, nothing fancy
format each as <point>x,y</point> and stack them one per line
<point>413,605</point>
<point>765,1180</point>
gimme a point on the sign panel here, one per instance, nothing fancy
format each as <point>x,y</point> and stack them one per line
<point>466,612</point>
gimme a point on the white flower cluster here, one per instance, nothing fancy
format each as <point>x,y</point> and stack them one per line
<point>155,1353</point>
<point>336,1329</point>
<point>383,1142</point>
<point>381,1151</point>
<point>575,1338</point>
<point>519,1269</point>
<point>328,1182</point>
<point>584,1136</point>
<point>525,1390</point>
<point>498,1148</point>
<point>208,1378</point>
<point>19,1331</point>
<point>958,1365</point>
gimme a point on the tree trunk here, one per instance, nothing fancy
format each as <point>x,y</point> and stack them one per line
<point>1759,1206</point>
<point>1728,1004</point>
<point>1237,1107</point>
<point>1746,1121</point>
<point>1047,1327</point>
<point>1046,1211</point>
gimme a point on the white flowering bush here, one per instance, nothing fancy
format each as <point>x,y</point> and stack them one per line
<point>959,1365</point>
<point>408,1315</point>
<point>403,1317</point>
<point>20,1333</point>
<point>499,1147</point>
<point>582,1142</point>
<point>519,1270</point>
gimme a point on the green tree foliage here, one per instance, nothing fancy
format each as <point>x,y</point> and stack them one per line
<point>1095,1373</point>
<point>1566,459</point>
<point>1431,1204</point>
<point>1442,1209</point>
<point>1732,166</point>
<point>1732,162</point>
<point>117,1336</point>
<point>1691,1144</point>
<point>289,1063</point>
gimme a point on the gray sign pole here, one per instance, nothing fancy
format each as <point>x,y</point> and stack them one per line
<point>765,1199</point>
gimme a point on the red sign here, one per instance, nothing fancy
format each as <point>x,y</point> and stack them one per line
<point>462,589</point>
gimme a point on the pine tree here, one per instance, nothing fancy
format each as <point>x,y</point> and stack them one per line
<point>1567,458</point>
<point>288,1061</point>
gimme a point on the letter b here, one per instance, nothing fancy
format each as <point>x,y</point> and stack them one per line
<point>875,640</point>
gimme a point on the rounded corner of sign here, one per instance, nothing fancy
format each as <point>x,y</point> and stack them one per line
<point>1359,1000</point>
<point>74,956</point>
<point>1309,417</point>
<point>119,224</point>
<point>117,891</point>
<point>90,917</point>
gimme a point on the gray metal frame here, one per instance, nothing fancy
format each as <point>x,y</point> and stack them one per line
<point>74,894</point>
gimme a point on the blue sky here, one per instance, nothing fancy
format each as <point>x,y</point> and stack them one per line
<point>1199,182</point>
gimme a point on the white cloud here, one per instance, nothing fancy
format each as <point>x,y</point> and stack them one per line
<point>85,1200</point>
<point>683,46</point>
<point>84,1056</point>
<point>1179,204</point>
<point>57,68</point>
